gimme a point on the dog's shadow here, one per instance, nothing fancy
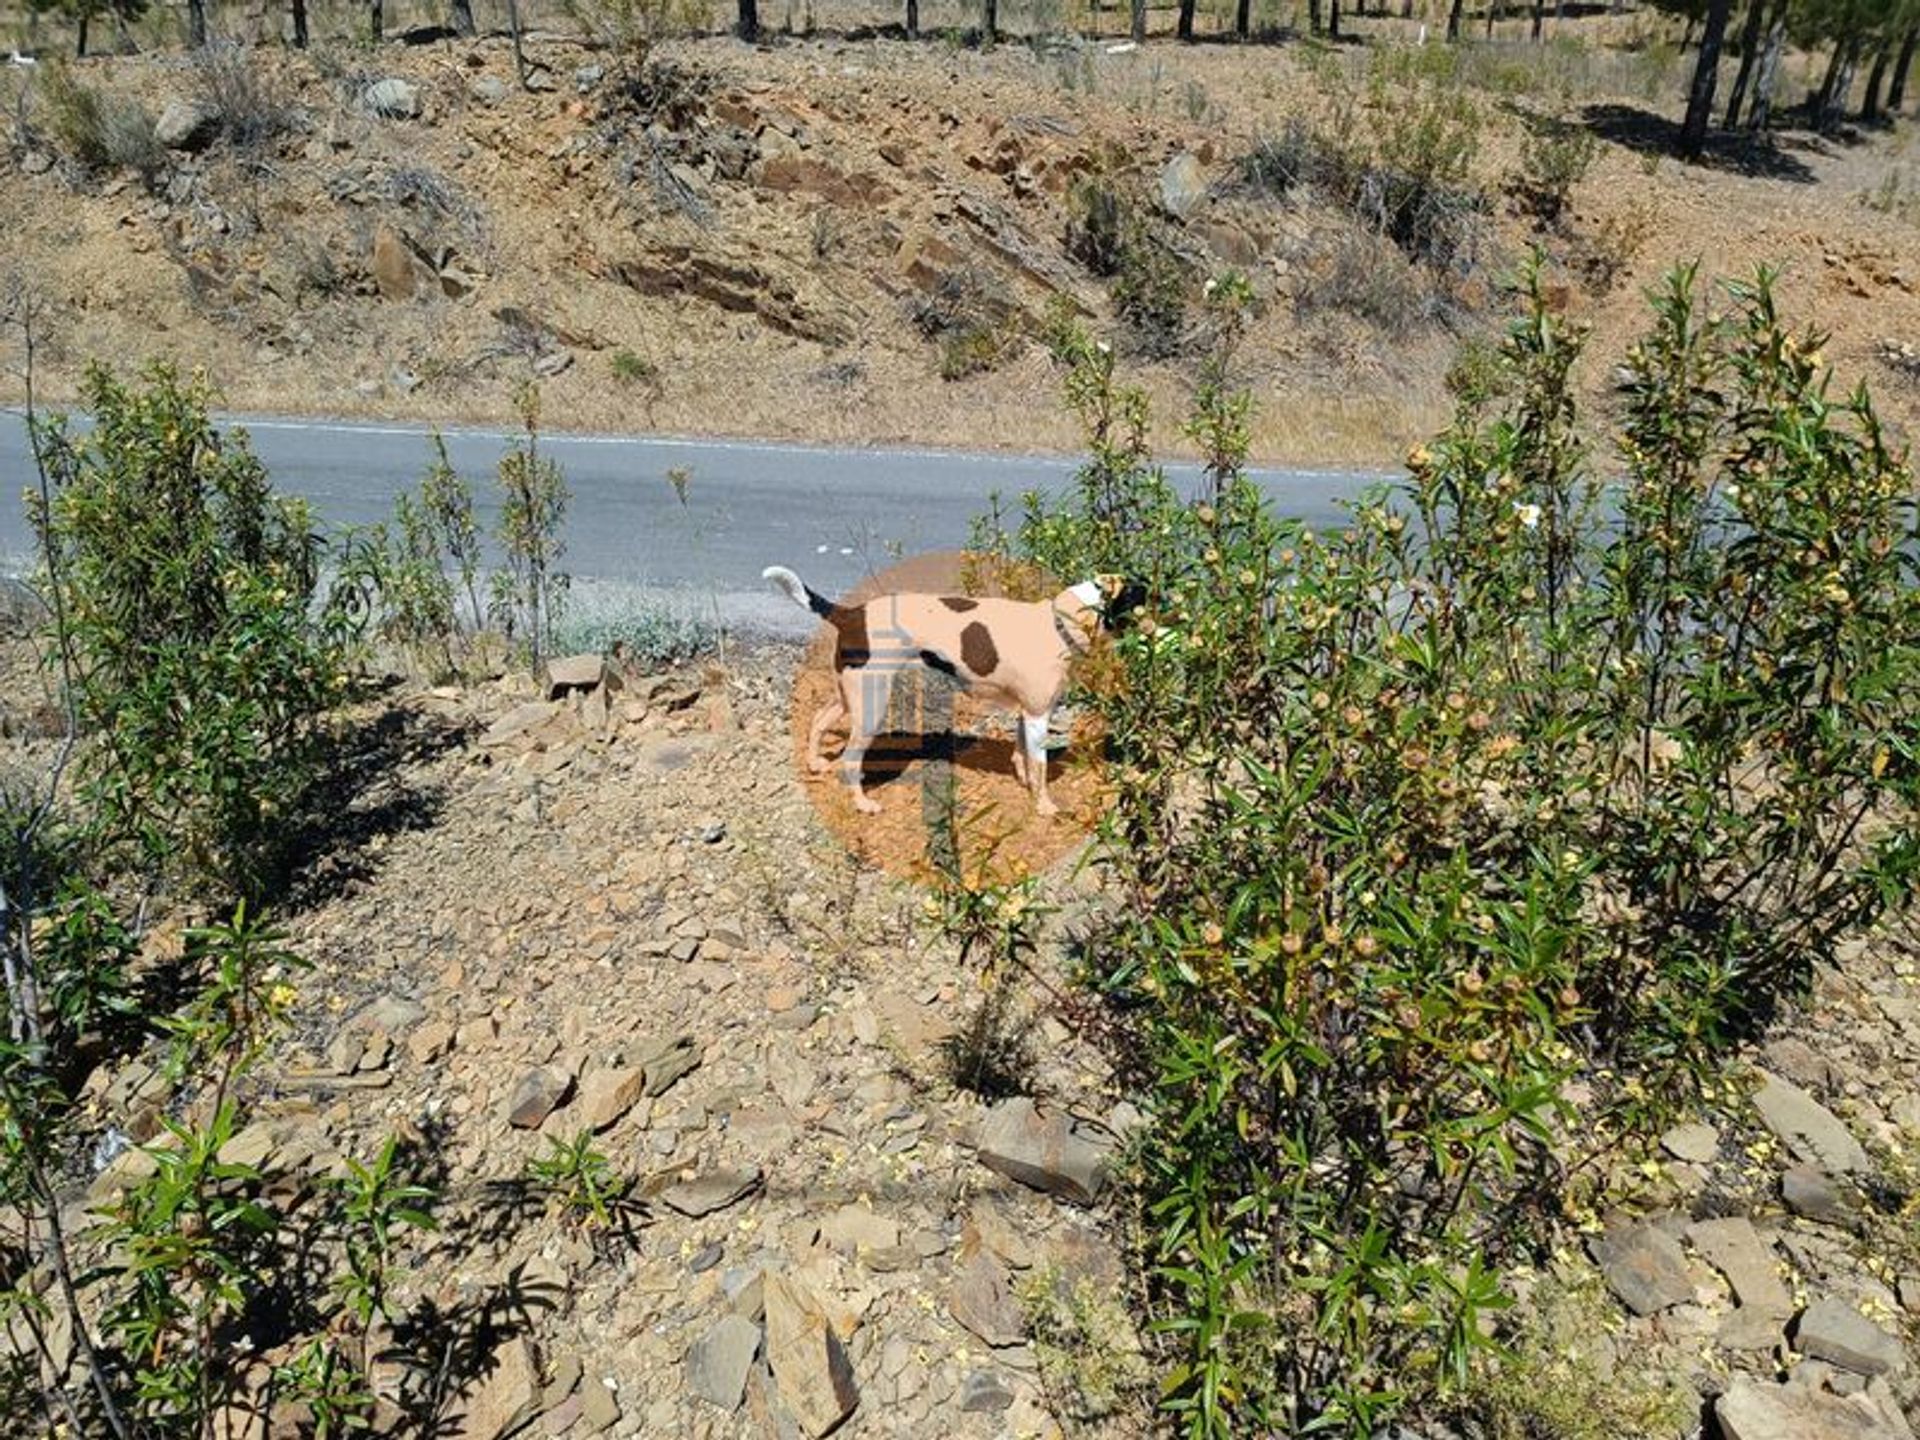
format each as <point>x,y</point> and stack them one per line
<point>891,754</point>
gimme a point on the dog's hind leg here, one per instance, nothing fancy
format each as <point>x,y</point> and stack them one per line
<point>1033,737</point>
<point>865,692</point>
<point>829,715</point>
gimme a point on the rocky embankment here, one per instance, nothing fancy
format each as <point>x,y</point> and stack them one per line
<point>611,908</point>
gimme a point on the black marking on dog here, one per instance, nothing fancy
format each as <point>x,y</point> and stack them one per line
<point>977,651</point>
<point>1118,612</point>
<point>959,603</point>
<point>934,660</point>
<point>854,648</point>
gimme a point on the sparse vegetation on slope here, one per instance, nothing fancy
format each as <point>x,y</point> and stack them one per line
<point>345,231</point>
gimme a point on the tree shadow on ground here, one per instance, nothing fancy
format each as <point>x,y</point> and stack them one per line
<point>365,795</point>
<point>447,1351</point>
<point>1755,156</point>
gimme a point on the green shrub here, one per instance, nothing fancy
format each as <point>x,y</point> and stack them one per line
<point>1152,283</point>
<point>581,1180</point>
<point>1554,157</point>
<point>194,1240</point>
<point>1362,273</point>
<point>973,324</point>
<point>234,84</point>
<point>1401,164</point>
<point>408,570</point>
<point>186,589</point>
<point>97,131</point>
<point>201,1259</point>
<point>1151,294</point>
<point>1494,786</point>
<point>1091,1358</point>
<point>974,349</point>
<point>527,596</point>
<point>651,635</point>
<point>1553,1383</point>
<point>1098,218</point>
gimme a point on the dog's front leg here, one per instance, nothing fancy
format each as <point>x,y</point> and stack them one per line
<point>866,693</point>
<point>1033,736</point>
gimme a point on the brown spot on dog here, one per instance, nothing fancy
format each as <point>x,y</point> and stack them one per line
<point>853,649</point>
<point>959,603</point>
<point>977,650</point>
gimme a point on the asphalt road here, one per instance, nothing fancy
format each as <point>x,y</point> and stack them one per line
<point>831,514</point>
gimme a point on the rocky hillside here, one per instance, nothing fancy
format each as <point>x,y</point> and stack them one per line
<point>804,239</point>
<point>617,911</point>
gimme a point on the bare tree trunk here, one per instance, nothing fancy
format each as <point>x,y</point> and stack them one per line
<point>1749,53</point>
<point>1243,19</point>
<point>519,56</point>
<point>1184,28</point>
<point>989,20</point>
<point>1767,74</point>
<point>1876,77</point>
<point>1313,17</point>
<point>1406,9</point>
<point>1838,84</point>
<point>1539,18</point>
<point>462,16</point>
<point>197,23</point>
<point>1493,13</point>
<point>1139,29</point>
<point>1897,96</point>
<point>299,24</point>
<point>80,44</point>
<point>1706,75</point>
<point>1453,20</point>
<point>376,22</point>
<point>748,27</point>
<point>1333,20</point>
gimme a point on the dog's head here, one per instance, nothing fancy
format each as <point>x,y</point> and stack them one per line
<point>1105,603</point>
<point>1121,599</point>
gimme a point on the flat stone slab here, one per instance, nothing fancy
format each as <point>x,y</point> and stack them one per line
<point>1834,1331</point>
<point>1811,1192</point>
<point>517,721</point>
<point>1695,1143</point>
<point>1645,1267</point>
<point>579,672</point>
<point>539,1093</point>
<point>507,1398</point>
<point>607,1095</point>
<point>1748,1330</point>
<point>1044,1149</point>
<point>1813,1133</point>
<point>666,1062</point>
<point>809,1364</point>
<point>982,1300</point>
<point>714,1190</point>
<point>718,1362</point>
<point>984,1392</point>
<point>1736,1250</point>
<point>1753,1411</point>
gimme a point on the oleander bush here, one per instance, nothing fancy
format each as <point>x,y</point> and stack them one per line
<point>1548,762</point>
<point>187,608</point>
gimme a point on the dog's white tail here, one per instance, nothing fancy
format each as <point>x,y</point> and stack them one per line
<point>798,591</point>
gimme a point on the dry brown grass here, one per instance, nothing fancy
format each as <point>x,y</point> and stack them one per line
<point>132,276</point>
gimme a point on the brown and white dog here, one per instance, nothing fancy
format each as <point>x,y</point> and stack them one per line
<point>1008,652</point>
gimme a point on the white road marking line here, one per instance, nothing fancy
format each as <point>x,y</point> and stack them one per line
<point>856,453</point>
